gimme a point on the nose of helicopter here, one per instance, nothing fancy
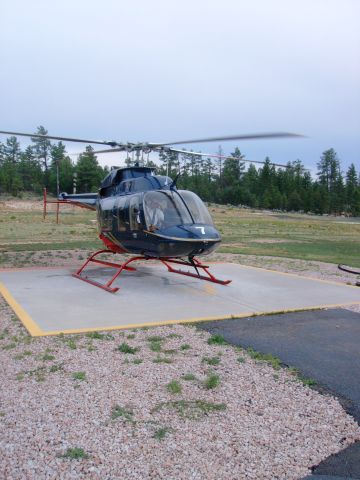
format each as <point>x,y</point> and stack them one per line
<point>183,240</point>
<point>192,232</point>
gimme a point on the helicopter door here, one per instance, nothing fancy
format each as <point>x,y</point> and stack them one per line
<point>120,215</point>
<point>134,214</point>
<point>135,235</point>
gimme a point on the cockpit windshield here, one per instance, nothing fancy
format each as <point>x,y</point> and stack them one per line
<point>164,209</point>
<point>198,210</point>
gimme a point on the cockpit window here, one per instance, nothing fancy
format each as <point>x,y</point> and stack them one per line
<point>165,209</point>
<point>197,208</point>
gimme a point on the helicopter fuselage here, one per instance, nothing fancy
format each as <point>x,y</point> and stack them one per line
<point>145,214</point>
<point>124,223</point>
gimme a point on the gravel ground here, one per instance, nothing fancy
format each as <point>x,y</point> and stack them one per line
<point>80,396</point>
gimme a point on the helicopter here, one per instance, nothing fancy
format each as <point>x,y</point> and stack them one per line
<point>146,215</point>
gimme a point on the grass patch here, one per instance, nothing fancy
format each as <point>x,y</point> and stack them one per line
<point>155,338</point>
<point>304,380</point>
<point>188,377</point>
<point>309,382</point>
<point>4,334</point>
<point>71,344</point>
<point>159,359</point>
<point>155,346</point>
<point>38,373</point>
<point>161,433</point>
<point>47,357</point>
<point>10,346</point>
<point>56,368</point>
<point>211,381</point>
<point>121,412</point>
<point>174,387</point>
<point>191,409</point>
<point>99,336</point>
<point>211,360</point>
<point>174,335</point>
<point>79,376</point>
<point>137,361</point>
<point>265,357</point>
<point>185,346</point>
<point>21,356</point>
<point>75,453</point>
<point>302,236</point>
<point>125,348</point>
<point>216,339</point>
<point>241,360</point>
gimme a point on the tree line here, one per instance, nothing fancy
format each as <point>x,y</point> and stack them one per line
<point>224,181</point>
<point>43,163</point>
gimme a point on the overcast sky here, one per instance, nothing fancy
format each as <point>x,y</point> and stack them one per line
<point>164,70</point>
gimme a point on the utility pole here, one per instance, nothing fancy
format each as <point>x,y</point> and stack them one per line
<point>220,153</point>
<point>57,179</point>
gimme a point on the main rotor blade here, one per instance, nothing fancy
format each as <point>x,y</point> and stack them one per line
<point>116,149</point>
<point>66,139</point>
<point>225,157</point>
<point>250,136</point>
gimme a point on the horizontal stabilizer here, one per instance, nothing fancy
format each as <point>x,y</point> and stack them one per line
<point>87,200</point>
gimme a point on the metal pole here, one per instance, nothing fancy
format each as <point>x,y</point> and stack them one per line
<point>44,212</point>
<point>57,179</point>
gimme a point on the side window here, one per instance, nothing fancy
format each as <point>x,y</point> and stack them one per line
<point>106,214</point>
<point>134,213</point>
<point>128,187</point>
<point>106,220</point>
<point>121,214</point>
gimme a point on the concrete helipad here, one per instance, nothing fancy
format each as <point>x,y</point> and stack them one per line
<point>50,301</point>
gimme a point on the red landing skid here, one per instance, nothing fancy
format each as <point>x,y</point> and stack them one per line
<point>124,266</point>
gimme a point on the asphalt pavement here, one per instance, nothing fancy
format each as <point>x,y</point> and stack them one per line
<point>325,346</point>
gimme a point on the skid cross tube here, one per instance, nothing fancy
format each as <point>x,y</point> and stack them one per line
<point>119,268</point>
<point>196,264</point>
<point>125,266</point>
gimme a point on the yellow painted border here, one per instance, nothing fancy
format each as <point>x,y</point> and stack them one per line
<point>192,320</point>
<point>27,321</point>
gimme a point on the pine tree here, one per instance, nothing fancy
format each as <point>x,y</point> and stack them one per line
<point>352,191</point>
<point>61,173</point>
<point>42,147</point>
<point>12,150</point>
<point>267,175</point>
<point>89,172</point>
<point>30,171</point>
<point>330,179</point>
<point>294,201</point>
<point>10,180</point>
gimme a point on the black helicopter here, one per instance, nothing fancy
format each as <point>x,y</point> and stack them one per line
<point>145,214</point>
